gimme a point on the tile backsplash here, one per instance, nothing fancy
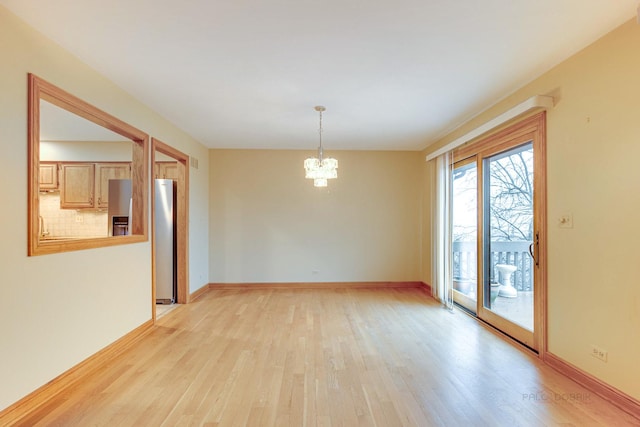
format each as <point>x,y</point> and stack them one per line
<point>70,222</point>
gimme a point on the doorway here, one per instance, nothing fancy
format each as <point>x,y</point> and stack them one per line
<point>169,163</point>
<point>498,230</point>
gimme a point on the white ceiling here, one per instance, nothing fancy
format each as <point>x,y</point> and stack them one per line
<point>394,75</point>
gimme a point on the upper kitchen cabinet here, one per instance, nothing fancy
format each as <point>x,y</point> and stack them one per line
<point>77,184</point>
<point>48,176</point>
<point>86,185</point>
<point>105,172</point>
<point>166,170</point>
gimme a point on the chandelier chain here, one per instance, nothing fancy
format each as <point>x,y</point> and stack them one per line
<point>320,153</point>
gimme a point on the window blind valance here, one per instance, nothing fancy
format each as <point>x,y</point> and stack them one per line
<point>537,102</point>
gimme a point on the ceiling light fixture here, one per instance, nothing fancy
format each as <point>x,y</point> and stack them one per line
<point>320,169</point>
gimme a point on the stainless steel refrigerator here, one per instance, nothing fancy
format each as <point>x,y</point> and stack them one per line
<point>119,210</point>
<point>165,241</point>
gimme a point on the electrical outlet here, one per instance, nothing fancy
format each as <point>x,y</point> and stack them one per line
<point>79,218</point>
<point>599,353</point>
<point>565,221</point>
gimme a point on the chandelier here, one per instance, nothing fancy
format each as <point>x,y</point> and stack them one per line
<point>320,169</point>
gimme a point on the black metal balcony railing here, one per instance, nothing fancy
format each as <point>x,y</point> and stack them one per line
<point>514,253</point>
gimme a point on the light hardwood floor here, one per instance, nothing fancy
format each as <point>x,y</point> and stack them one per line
<point>325,357</point>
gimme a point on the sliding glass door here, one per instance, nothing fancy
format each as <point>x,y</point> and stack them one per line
<point>508,229</point>
<point>497,229</point>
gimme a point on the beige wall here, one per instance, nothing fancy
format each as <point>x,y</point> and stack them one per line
<point>269,224</point>
<point>593,147</point>
<point>60,309</point>
<point>85,151</point>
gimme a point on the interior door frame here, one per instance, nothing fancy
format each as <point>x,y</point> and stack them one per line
<point>530,128</point>
<point>182,223</point>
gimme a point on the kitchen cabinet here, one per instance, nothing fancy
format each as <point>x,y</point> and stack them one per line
<point>105,172</point>
<point>48,176</point>
<point>77,184</point>
<point>166,170</point>
<point>86,185</point>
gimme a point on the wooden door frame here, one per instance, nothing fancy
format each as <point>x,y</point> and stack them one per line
<point>534,125</point>
<point>182,221</point>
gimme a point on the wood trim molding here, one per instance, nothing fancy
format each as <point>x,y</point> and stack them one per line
<point>427,288</point>
<point>39,89</point>
<point>20,410</point>
<point>602,389</point>
<point>200,292</point>
<point>316,285</point>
